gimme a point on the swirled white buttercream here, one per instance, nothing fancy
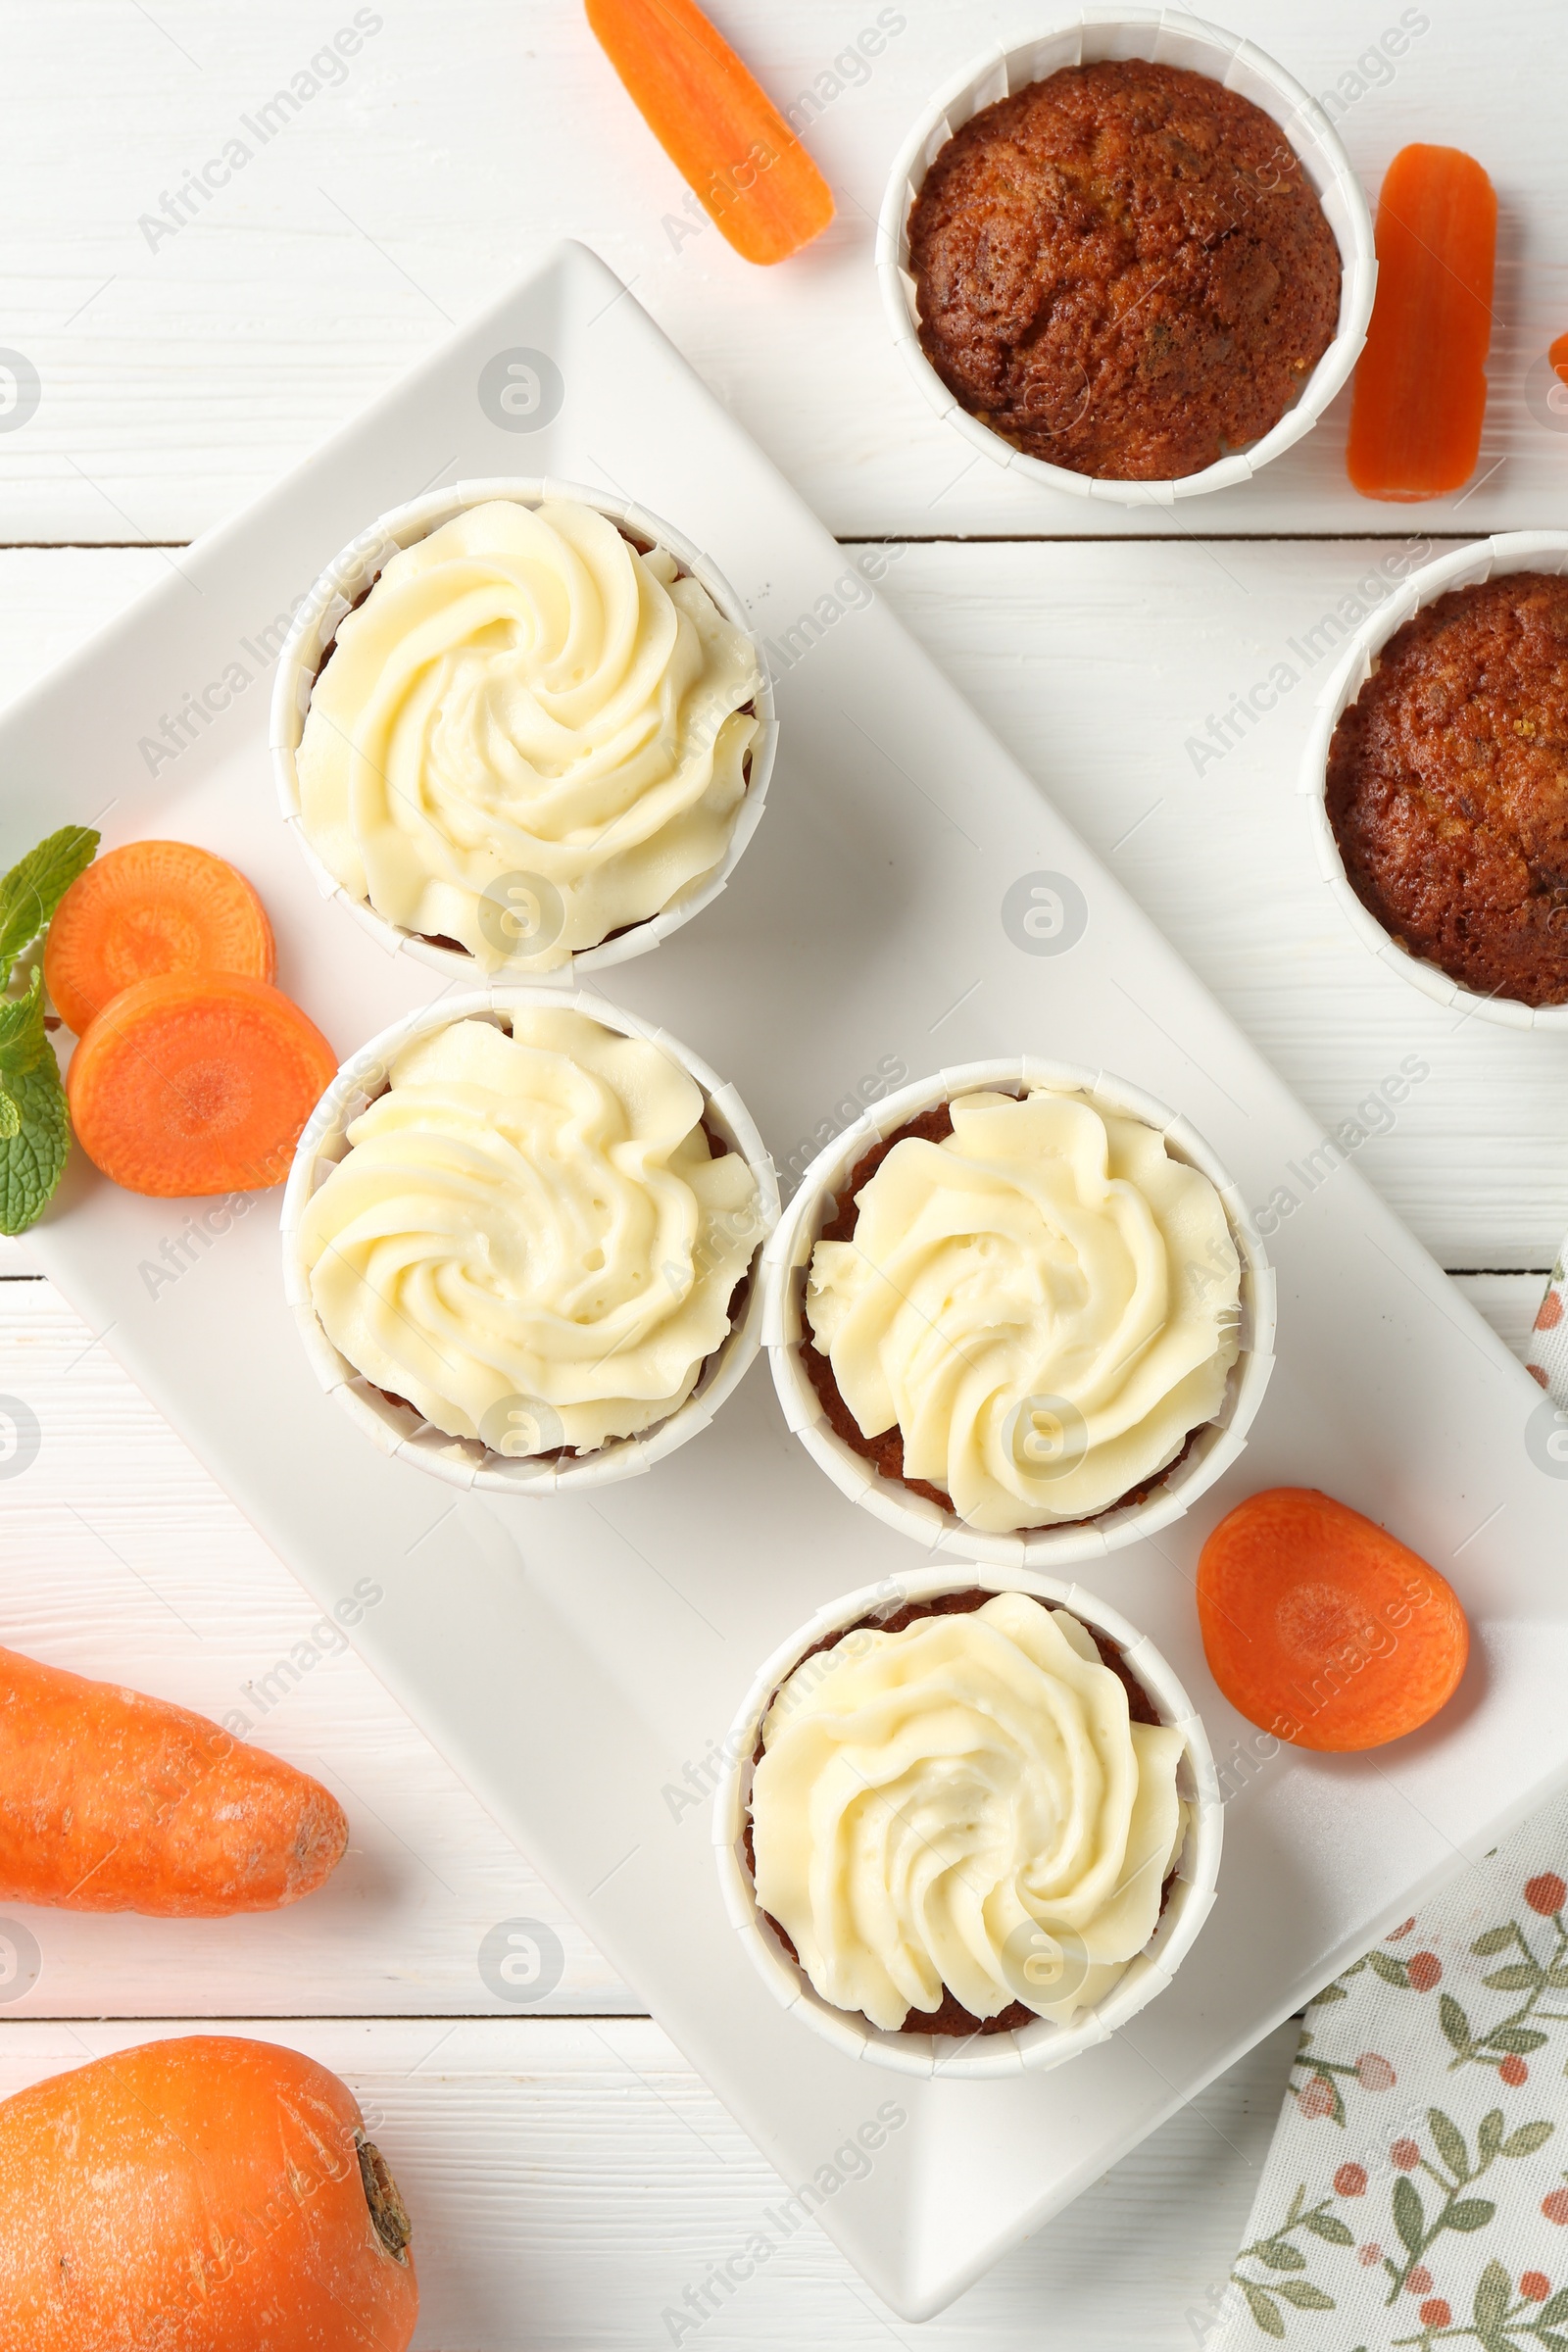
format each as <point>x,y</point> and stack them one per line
<point>525,706</point>
<point>965,1805</point>
<point>527,1237</point>
<point>1045,1303</point>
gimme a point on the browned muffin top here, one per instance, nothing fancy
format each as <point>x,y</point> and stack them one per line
<point>1448,787</point>
<point>1124,270</point>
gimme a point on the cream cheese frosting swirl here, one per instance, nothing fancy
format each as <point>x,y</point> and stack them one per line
<point>527,1237</point>
<point>1046,1302</point>
<point>965,1805</point>
<point>529,735</point>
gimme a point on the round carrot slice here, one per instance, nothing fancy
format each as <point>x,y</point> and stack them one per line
<point>1321,1627</point>
<point>197,1081</point>
<point>152,907</point>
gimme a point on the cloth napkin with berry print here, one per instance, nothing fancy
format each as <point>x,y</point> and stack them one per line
<point>1547,1356</point>
<point>1416,2193</point>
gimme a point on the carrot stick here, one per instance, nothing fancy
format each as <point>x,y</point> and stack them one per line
<point>110,1801</point>
<point>1321,1627</point>
<point>152,907</point>
<point>717,127</point>
<point>196,1082</point>
<point>1420,384</point>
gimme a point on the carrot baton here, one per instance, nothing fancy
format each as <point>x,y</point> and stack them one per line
<point>719,127</point>
<point>112,1801</point>
<point>1420,384</point>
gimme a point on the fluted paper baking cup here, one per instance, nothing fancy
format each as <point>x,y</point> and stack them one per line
<point>1465,567</point>
<point>1217,1443</point>
<point>399,1430</point>
<point>1167,37</point>
<point>1032,2049</point>
<point>346,580</point>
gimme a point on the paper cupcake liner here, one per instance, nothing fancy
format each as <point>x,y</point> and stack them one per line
<point>399,1430</point>
<point>1032,2049</point>
<point>1465,567</point>
<point>356,569</point>
<point>1215,1448</point>
<point>1166,37</point>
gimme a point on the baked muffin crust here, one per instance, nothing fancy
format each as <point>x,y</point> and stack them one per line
<point>1124,270</point>
<point>1448,787</point>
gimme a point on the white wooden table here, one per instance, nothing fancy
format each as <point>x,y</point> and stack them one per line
<point>568,2176</point>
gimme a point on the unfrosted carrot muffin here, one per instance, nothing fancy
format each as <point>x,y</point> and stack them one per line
<point>1448,787</point>
<point>1124,270</point>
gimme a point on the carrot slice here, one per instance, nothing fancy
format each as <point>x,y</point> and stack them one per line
<point>152,907</point>
<point>719,127</point>
<point>1420,384</point>
<point>1321,1627</point>
<point>1558,357</point>
<point>196,1082</point>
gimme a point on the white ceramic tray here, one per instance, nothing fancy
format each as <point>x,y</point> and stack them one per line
<point>910,899</point>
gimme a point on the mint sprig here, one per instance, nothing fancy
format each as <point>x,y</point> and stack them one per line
<point>34,1130</point>
<point>36,886</point>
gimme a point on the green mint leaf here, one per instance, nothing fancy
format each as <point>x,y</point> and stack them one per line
<point>32,1161</point>
<point>36,886</point>
<point>22,1037</point>
<point>10,1119</point>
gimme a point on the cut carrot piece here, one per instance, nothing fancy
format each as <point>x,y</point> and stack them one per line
<point>112,1801</point>
<point>197,1081</point>
<point>1420,384</point>
<point>1558,357</point>
<point>1321,1627</point>
<point>152,907</point>
<point>719,127</point>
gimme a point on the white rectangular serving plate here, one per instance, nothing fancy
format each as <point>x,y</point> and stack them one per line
<point>574,1658</point>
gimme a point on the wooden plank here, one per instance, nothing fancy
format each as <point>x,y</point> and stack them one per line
<point>571,2183</point>
<point>188,355</point>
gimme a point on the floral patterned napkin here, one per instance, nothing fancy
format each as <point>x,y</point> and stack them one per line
<point>1547,1357</point>
<point>1416,2193</point>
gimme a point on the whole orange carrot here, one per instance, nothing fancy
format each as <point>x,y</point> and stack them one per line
<point>203,2195</point>
<point>1420,384</point>
<point>719,127</point>
<point>111,1801</point>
